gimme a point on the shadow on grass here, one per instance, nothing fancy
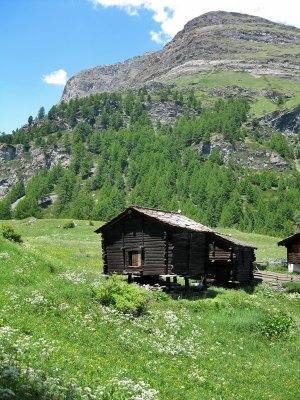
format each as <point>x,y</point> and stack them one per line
<point>248,287</point>
<point>195,292</point>
<point>179,291</point>
<point>192,295</point>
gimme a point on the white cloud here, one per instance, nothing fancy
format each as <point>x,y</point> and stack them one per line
<point>58,77</point>
<point>173,14</point>
<point>156,36</point>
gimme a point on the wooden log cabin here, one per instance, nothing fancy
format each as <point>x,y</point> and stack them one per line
<point>292,244</point>
<point>151,242</point>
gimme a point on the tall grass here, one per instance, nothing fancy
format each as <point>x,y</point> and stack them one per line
<point>57,341</point>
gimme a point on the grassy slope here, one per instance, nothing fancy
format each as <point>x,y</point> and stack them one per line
<point>72,247</point>
<point>261,105</point>
<point>185,349</point>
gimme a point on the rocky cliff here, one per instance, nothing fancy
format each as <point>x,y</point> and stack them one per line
<point>223,40</point>
<point>16,162</point>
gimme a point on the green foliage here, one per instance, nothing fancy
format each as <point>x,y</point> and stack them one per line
<point>281,145</point>
<point>125,298</point>
<point>232,211</point>
<point>5,210</point>
<point>9,233</point>
<point>292,287</point>
<point>216,156</point>
<point>118,158</point>
<point>276,324</point>
<point>41,113</point>
<point>38,188</point>
<point>68,225</point>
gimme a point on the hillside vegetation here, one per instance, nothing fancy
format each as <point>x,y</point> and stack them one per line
<point>119,156</point>
<point>58,342</point>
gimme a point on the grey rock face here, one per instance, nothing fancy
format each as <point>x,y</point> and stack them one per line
<point>243,156</point>
<point>287,121</point>
<point>214,40</point>
<point>105,78</point>
<point>16,164</point>
<point>164,112</point>
<point>7,153</point>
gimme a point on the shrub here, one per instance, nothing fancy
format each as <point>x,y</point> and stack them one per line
<point>9,233</point>
<point>292,287</point>
<point>68,225</point>
<point>277,324</point>
<point>125,298</point>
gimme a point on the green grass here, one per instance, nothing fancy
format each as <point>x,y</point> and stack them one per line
<point>73,247</point>
<point>217,78</point>
<point>292,287</point>
<point>184,349</point>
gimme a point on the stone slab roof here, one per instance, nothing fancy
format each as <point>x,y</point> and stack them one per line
<point>177,220</point>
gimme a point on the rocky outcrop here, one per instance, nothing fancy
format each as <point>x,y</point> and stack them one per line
<point>165,112</point>
<point>16,163</point>
<point>105,78</point>
<point>244,155</point>
<point>286,121</point>
<point>223,40</point>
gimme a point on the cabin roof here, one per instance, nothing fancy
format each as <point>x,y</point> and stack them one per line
<point>289,239</point>
<point>174,219</point>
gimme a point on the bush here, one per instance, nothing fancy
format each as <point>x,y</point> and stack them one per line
<point>125,298</point>
<point>276,325</point>
<point>9,233</point>
<point>68,225</point>
<point>292,287</point>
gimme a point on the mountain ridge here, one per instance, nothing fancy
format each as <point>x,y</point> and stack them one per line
<point>199,126</point>
<point>219,39</point>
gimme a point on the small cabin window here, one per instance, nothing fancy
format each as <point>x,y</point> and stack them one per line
<point>134,258</point>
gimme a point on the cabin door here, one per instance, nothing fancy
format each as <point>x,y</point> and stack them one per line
<point>134,259</point>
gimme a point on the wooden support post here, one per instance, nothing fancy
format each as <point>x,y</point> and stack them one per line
<point>129,278</point>
<point>175,279</point>
<point>186,282</point>
<point>168,281</point>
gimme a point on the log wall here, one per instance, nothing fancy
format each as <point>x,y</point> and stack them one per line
<point>155,248</point>
<point>135,233</point>
<point>189,255</point>
<point>113,239</point>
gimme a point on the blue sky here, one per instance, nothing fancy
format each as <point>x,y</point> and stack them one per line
<point>40,37</point>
